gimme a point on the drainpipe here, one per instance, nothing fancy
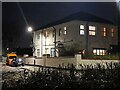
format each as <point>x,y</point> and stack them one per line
<point>87,35</point>
<point>55,41</point>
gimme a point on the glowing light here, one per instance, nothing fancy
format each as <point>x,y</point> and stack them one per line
<point>30,29</point>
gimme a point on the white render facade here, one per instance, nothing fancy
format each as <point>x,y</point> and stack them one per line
<point>92,37</point>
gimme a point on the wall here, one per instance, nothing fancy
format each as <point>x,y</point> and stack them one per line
<point>52,62</point>
<point>64,61</point>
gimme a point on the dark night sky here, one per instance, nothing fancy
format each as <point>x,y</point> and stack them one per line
<point>38,14</point>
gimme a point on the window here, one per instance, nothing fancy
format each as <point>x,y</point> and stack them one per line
<point>38,52</point>
<point>104,32</point>
<point>82,32</point>
<point>112,32</point>
<point>46,34</point>
<point>65,30</point>
<point>92,30</point>
<point>53,33</point>
<point>99,51</point>
<point>37,36</point>
<point>60,31</point>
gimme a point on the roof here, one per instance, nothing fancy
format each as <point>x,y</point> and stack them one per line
<point>83,16</point>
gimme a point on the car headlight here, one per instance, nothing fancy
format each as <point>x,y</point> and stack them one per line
<point>19,59</point>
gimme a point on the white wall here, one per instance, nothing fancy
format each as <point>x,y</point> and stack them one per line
<point>55,62</point>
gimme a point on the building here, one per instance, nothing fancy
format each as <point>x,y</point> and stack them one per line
<point>89,33</point>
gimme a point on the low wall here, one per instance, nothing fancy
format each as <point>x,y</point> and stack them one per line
<point>65,61</point>
<point>52,62</point>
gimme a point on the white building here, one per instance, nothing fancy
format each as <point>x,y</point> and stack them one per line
<point>92,35</point>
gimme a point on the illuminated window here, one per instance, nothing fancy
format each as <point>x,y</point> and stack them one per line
<point>99,51</point>
<point>112,32</point>
<point>82,27</point>
<point>104,32</point>
<point>65,30</point>
<point>46,34</point>
<point>82,32</point>
<point>92,30</point>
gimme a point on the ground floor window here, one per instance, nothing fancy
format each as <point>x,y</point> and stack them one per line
<point>38,52</point>
<point>52,52</point>
<point>99,51</point>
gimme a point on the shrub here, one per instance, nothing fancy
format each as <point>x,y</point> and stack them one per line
<point>97,78</point>
<point>103,57</point>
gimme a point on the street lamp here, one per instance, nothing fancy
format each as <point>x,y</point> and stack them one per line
<point>31,30</point>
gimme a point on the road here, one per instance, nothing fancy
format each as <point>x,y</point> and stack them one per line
<point>6,68</point>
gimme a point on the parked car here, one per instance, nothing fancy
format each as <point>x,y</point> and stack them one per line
<point>13,60</point>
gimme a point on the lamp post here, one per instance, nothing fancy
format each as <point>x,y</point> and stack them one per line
<point>33,48</point>
<point>31,31</point>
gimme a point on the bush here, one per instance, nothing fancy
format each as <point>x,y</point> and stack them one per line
<point>97,78</point>
<point>103,57</point>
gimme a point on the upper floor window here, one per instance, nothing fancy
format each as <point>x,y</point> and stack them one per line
<point>82,32</point>
<point>104,32</point>
<point>65,30</point>
<point>46,34</point>
<point>37,36</point>
<point>112,32</point>
<point>60,31</point>
<point>92,30</point>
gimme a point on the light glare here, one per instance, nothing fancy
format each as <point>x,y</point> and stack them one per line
<point>29,29</point>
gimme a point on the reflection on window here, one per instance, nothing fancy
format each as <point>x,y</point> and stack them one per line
<point>99,51</point>
<point>92,30</point>
<point>82,32</point>
<point>65,30</point>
